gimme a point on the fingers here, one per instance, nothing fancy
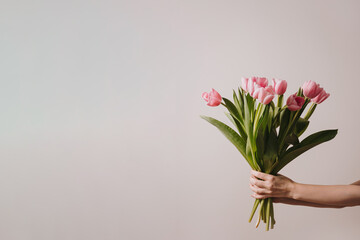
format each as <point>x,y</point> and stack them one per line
<point>258,196</point>
<point>259,187</point>
<point>263,176</point>
<point>259,183</point>
<point>258,190</point>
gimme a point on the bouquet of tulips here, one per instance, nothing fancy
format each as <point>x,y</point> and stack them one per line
<point>267,134</point>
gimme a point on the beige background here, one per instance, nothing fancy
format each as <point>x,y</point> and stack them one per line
<point>100,130</point>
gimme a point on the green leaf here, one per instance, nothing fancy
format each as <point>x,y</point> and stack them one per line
<point>238,125</point>
<point>271,149</point>
<point>308,143</point>
<point>284,122</point>
<point>237,104</point>
<point>230,134</point>
<point>251,103</point>
<point>241,100</point>
<point>233,110</point>
<point>260,143</point>
<point>263,118</point>
<point>291,139</point>
<point>250,149</point>
<point>239,121</point>
<point>249,113</point>
<point>230,118</point>
<point>270,118</point>
<point>300,127</point>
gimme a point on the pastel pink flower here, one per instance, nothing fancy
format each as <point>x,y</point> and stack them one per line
<point>270,89</point>
<point>212,98</point>
<point>264,96</point>
<point>311,89</point>
<point>279,86</point>
<point>257,88</point>
<point>322,96</point>
<point>244,82</point>
<point>251,85</point>
<point>248,84</point>
<point>295,102</point>
<point>262,81</point>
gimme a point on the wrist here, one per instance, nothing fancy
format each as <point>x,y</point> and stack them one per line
<point>292,190</point>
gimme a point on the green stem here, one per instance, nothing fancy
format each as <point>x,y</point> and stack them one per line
<point>264,211</point>
<point>268,207</point>
<point>280,100</point>
<point>260,211</point>
<point>257,118</point>
<point>256,204</point>
<point>272,215</point>
<point>310,111</point>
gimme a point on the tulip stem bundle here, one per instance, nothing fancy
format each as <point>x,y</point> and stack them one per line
<point>267,135</point>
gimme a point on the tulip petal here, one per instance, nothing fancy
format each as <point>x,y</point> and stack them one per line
<point>205,96</point>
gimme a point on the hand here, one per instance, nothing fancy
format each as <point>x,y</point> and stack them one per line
<point>266,185</point>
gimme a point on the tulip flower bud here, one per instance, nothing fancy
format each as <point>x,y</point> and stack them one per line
<point>212,98</point>
<point>322,96</point>
<point>264,96</point>
<point>262,81</point>
<point>295,102</point>
<point>244,83</point>
<point>311,89</point>
<point>257,88</point>
<point>279,86</point>
<point>251,85</point>
<point>270,89</point>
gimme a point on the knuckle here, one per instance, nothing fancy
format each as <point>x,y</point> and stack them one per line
<point>272,180</point>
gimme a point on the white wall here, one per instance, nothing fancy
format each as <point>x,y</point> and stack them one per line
<point>100,130</point>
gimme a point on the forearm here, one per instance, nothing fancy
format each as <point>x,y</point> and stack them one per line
<point>291,201</point>
<point>328,195</point>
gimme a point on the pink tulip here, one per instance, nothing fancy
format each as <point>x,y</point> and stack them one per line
<point>244,82</point>
<point>311,89</point>
<point>212,98</point>
<point>295,102</point>
<point>322,96</point>
<point>270,89</point>
<point>262,81</point>
<point>257,88</point>
<point>251,85</point>
<point>264,96</point>
<point>248,84</point>
<point>280,86</point>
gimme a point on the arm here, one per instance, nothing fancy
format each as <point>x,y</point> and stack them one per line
<point>287,191</point>
<point>335,195</point>
<point>356,183</point>
<point>302,203</point>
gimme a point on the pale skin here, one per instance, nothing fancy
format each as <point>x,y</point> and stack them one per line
<point>284,190</point>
